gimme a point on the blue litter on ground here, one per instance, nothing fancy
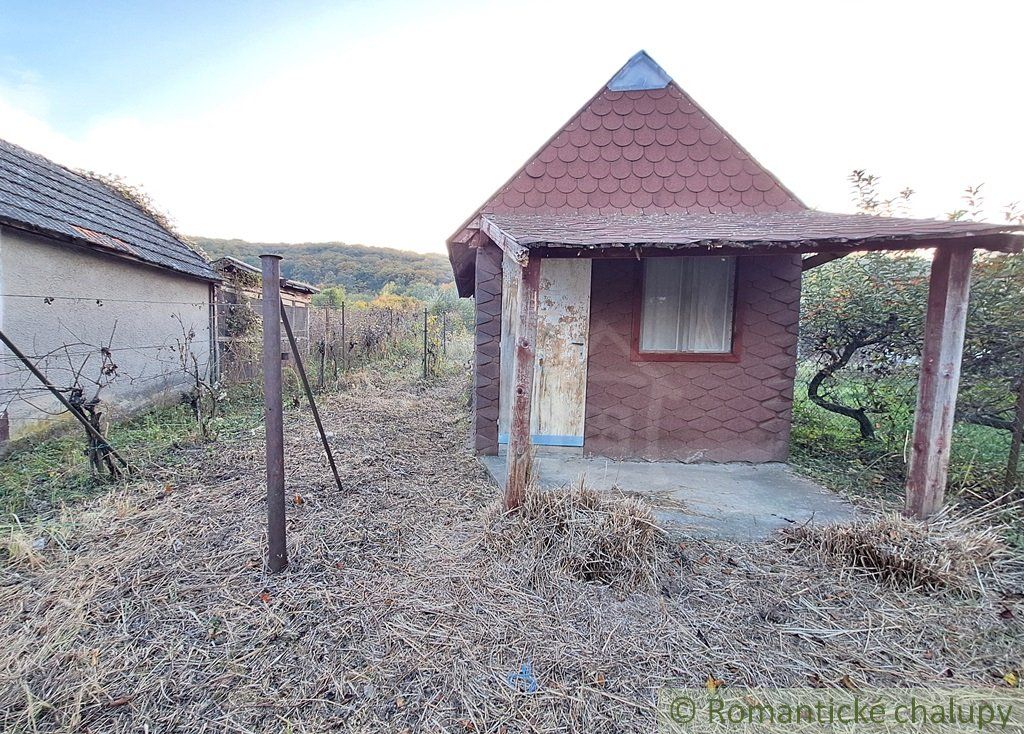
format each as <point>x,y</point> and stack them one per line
<point>524,680</point>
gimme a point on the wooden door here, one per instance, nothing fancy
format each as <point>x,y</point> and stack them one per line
<point>560,372</point>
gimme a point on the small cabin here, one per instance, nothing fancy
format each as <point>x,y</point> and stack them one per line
<point>637,289</point>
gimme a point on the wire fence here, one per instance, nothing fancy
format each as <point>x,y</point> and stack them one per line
<point>344,338</point>
<point>117,354</point>
<point>873,452</point>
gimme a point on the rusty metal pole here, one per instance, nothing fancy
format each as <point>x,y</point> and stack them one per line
<point>323,345</point>
<point>71,407</point>
<point>344,341</point>
<point>1016,439</point>
<point>424,344</point>
<point>309,395</point>
<point>277,553</point>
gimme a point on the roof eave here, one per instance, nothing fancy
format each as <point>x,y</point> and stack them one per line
<point>998,242</point>
<point>463,261</point>
<point>94,246</point>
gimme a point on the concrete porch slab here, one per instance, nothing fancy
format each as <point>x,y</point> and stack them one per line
<point>737,501</point>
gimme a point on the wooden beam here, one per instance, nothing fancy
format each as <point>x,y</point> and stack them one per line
<point>996,243</point>
<point>518,456</point>
<point>813,261</point>
<point>948,291</point>
<point>505,241</point>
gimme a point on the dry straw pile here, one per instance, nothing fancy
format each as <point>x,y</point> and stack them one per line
<point>578,533</point>
<point>962,552</point>
<point>411,605</point>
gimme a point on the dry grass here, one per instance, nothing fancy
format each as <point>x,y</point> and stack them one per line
<point>581,534</point>
<point>403,610</point>
<point>962,552</point>
<point>19,550</point>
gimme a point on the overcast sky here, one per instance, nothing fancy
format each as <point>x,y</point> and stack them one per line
<point>388,122</point>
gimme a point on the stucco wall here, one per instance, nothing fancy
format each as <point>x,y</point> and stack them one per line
<point>695,411</point>
<point>96,300</point>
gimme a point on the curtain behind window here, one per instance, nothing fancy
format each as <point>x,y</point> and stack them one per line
<point>687,304</point>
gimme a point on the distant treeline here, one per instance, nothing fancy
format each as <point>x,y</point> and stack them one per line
<point>359,269</point>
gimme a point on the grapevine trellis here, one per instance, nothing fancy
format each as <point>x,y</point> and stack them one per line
<point>344,338</point>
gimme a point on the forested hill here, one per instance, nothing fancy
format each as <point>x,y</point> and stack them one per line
<point>360,269</point>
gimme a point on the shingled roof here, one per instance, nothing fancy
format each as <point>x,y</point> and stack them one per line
<point>44,197</point>
<point>642,153</point>
<point>233,263</point>
<point>796,231</point>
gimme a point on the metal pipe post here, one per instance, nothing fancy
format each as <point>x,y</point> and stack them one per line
<point>344,342</point>
<point>277,553</point>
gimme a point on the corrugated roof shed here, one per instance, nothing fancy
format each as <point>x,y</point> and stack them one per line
<point>41,196</point>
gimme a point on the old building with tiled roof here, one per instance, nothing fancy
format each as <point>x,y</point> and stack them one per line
<point>96,291</point>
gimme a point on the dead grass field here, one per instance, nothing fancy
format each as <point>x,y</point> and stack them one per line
<point>409,601</point>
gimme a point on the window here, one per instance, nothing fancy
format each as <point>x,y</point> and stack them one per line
<point>687,305</point>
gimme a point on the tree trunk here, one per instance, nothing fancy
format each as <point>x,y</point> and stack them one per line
<point>867,429</point>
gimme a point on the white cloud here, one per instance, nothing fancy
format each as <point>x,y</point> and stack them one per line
<point>395,138</point>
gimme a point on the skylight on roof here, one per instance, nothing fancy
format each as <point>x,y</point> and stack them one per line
<point>640,72</point>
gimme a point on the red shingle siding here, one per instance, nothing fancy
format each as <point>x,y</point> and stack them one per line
<point>651,152</point>
<point>487,369</point>
<point>648,151</point>
<point>695,411</point>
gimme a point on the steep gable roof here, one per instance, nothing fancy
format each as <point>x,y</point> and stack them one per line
<point>41,196</point>
<point>641,145</point>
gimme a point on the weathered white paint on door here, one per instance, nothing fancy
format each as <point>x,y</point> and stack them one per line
<point>560,372</point>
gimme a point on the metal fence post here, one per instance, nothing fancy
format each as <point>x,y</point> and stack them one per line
<point>277,553</point>
<point>424,344</point>
<point>344,341</point>
<point>323,344</point>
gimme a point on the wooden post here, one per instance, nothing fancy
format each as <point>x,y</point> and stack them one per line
<point>518,455</point>
<point>277,553</point>
<point>946,317</point>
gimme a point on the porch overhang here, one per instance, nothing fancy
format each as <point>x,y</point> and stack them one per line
<point>801,231</point>
<point>807,231</point>
<point>526,239</point>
